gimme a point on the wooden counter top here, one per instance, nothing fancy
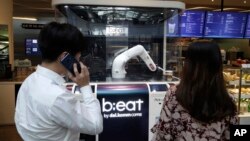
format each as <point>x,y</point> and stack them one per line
<point>7,82</point>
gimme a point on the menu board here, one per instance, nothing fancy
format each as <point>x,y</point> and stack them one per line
<point>192,23</point>
<point>225,24</point>
<point>31,47</point>
<point>247,34</point>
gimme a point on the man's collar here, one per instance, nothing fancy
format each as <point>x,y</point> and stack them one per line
<point>50,74</point>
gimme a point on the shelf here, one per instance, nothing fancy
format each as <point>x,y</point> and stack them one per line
<point>247,114</point>
<point>236,82</point>
<point>239,84</point>
<point>242,96</point>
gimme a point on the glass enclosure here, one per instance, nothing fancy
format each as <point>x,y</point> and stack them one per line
<point>111,30</point>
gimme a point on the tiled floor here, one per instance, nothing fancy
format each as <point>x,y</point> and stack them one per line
<point>9,133</point>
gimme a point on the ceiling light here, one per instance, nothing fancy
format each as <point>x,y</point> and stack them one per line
<point>245,11</point>
<point>25,18</point>
<point>193,8</point>
<point>229,9</point>
<point>122,8</point>
<point>233,8</point>
<point>212,0</point>
<point>6,42</point>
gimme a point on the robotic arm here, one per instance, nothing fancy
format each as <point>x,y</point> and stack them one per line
<point>118,67</point>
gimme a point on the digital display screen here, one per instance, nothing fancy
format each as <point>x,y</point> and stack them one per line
<point>125,110</point>
<point>192,23</point>
<point>158,87</point>
<point>247,34</point>
<point>77,89</point>
<point>225,24</point>
<point>31,47</point>
<point>172,26</point>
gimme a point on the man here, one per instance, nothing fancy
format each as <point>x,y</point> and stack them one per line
<point>45,109</point>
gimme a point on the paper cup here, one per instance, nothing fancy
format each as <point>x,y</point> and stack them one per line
<point>169,75</point>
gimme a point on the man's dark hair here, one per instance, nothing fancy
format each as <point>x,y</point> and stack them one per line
<point>56,38</point>
<point>202,90</point>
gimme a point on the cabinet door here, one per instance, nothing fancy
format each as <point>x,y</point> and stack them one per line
<point>7,103</point>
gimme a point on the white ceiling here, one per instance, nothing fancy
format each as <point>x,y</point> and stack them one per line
<point>42,8</point>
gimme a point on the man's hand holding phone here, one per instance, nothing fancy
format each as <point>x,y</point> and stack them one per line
<point>81,78</point>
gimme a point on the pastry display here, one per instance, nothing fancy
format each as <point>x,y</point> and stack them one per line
<point>246,77</point>
<point>230,77</point>
<point>236,91</point>
<point>233,90</point>
<point>245,91</point>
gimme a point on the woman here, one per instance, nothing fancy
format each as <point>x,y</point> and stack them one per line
<point>199,108</point>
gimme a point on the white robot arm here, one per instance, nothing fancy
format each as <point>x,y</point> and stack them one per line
<point>118,67</point>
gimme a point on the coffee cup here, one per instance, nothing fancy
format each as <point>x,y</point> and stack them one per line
<point>171,27</point>
<point>168,74</point>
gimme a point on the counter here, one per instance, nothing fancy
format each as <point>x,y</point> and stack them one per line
<point>123,102</point>
<point>129,108</point>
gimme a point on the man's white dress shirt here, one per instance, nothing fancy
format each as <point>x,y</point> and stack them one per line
<point>47,111</point>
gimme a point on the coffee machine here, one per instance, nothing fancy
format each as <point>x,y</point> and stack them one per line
<point>130,104</point>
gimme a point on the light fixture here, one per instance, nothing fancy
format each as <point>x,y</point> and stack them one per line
<point>212,0</point>
<point>6,42</point>
<point>229,9</point>
<point>194,8</point>
<point>245,1</point>
<point>25,18</point>
<point>245,11</point>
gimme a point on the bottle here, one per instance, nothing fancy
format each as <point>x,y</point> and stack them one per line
<point>223,56</point>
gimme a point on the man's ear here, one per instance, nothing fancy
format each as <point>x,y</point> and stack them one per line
<point>62,55</point>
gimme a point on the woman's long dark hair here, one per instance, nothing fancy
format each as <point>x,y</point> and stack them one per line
<point>202,89</point>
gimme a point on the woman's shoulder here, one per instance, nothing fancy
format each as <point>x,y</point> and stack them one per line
<point>171,99</point>
<point>170,96</point>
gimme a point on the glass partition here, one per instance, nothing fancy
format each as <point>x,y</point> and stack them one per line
<point>110,30</point>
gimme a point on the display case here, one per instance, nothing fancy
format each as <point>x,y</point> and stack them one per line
<point>238,84</point>
<point>244,91</point>
<point>112,27</point>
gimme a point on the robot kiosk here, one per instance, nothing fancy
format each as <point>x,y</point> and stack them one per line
<point>126,44</point>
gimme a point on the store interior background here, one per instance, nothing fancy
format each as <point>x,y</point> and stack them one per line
<point>42,11</point>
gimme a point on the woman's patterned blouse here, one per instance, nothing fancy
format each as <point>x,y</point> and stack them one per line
<point>175,124</point>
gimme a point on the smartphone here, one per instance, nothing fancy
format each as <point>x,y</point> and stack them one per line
<point>68,62</point>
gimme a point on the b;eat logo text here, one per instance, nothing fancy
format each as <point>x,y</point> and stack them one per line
<point>108,106</point>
